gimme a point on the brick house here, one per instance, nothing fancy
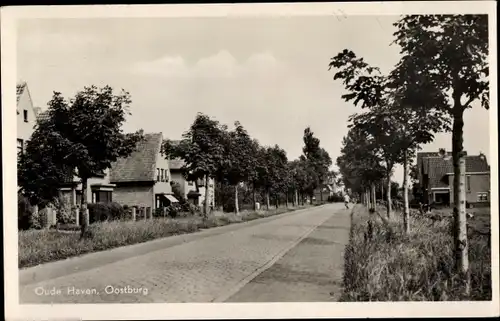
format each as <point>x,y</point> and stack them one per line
<point>188,189</point>
<point>143,178</point>
<point>435,175</point>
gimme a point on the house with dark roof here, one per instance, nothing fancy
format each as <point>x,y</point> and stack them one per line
<point>436,174</point>
<point>143,178</point>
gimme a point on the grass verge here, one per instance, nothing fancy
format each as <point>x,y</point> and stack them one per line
<point>392,266</point>
<point>42,246</point>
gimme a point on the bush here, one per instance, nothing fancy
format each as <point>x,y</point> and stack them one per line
<point>99,212</point>
<point>24,213</point>
<point>384,264</point>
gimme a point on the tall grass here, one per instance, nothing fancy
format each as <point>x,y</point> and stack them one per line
<point>392,266</point>
<point>42,246</point>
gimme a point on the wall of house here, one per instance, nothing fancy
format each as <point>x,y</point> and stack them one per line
<point>92,181</point>
<point>25,129</point>
<point>134,195</point>
<point>186,188</point>
<point>163,187</point>
<point>478,183</point>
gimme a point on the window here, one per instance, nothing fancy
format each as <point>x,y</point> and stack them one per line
<point>101,197</point>
<point>166,175</point>
<point>468,183</point>
<point>482,197</point>
<point>157,174</point>
<point>20,146</point>
<point>25,114</point>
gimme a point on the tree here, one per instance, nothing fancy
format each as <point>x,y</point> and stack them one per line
<point>449,55</point>
<point>83,136</point>
<point>401,116</point>
<point>201,149</point>
<point>317,160</point>
<point>360,165</point>
<point>239,158</point>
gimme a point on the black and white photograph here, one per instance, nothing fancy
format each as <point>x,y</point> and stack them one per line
<point>313,156</point>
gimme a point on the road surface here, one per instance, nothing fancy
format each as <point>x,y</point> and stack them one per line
<point>296,256</point>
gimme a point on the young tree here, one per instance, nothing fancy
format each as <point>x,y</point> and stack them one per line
<point>360,164</point>
<point>84,137</point>
<point>202,149</point>
<point>449,54</point>
<point>317,160</point>
<point>401,116</point>
<point>240,158</point>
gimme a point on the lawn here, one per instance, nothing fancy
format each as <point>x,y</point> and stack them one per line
<point>391,266</point>
<point>42,246</point>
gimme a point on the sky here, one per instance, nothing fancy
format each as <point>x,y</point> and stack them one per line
<point>269,73</point>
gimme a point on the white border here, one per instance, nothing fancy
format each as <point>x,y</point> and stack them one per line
<point>9,16</point>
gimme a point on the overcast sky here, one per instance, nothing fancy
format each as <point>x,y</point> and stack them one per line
<point>271,74</point>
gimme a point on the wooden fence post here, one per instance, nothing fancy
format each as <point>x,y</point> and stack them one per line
<point>76,211</point>
<point>133,214</point>
<point>149,213</point>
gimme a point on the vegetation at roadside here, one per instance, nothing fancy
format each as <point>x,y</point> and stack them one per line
<point>383,263</point>
<point>42,246</point>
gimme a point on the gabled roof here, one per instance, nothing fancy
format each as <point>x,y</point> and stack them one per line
<point>175,164</point>
<point>438,168</point>
<point>140,166</point>
<point>20,87</point>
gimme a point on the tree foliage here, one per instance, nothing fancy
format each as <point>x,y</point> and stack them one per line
<point>79,137</point>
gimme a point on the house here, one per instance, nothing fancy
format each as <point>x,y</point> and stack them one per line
<point>325,190</point>
<point>188,189</point>
<point>435,175</point>
<point>26,116</point>
<point>143,178</point>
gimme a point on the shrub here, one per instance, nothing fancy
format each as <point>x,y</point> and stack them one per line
<point>384,264</point>
<point>24,213</point>
<point>99,212</point>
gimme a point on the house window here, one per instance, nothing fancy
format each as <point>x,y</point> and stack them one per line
<point>468,183</point>
<point>20,146</point>
<point>25,114</point>
<point>482,197</point>
<point>161,175</point>
<point>157,174</point>
<point>101,196</point>
<point>166,176</point>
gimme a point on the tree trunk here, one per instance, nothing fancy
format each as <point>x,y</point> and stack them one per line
<point>84,209</point>
<point>321,194</point>
<point>406,215</point>
<point>254,198</point>
<point>267,200</point>
<point>207,203</point>
<point>460,217</point>
<point>374,197</point>
<point>296,198</point>
<point>367,198</point>
<point>286,199</point>
<point>236,205</point>
<point>382,196</point>
<point>389,200</point>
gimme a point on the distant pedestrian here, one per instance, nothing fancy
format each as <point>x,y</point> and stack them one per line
<point>346,201</point>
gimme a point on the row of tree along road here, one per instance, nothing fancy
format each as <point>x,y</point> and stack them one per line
<point>443,70</point>
<point>83,136</point>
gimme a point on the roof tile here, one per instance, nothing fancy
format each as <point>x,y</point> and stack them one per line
<point>140,166</point>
